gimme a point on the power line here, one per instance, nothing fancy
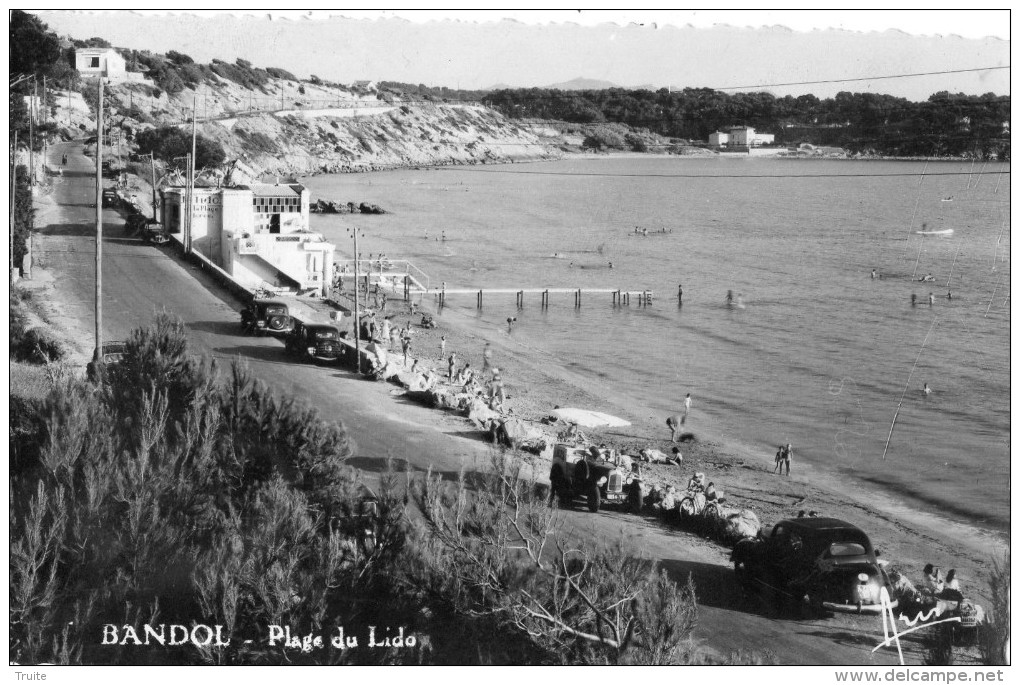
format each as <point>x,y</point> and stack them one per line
<point>563,173</point>
<point>863,78</point>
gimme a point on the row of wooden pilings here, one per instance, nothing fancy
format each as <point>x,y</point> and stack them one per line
<point>620,297</point>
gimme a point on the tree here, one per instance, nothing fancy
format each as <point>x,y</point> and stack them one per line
<point>169,142</point>
<point>24,214</point>
<point>33,47</point>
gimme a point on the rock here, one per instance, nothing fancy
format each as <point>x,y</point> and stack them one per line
<point>742,523</point>
<point>512,432</point>
<point>479,413</point>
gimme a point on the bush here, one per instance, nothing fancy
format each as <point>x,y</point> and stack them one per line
<point>577,603</point>
<point>993,636</point>
<point>169,142</point>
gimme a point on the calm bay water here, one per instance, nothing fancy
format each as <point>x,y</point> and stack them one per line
<point>820,354</point>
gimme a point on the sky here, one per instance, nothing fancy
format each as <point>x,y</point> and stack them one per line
<point>666,48</point>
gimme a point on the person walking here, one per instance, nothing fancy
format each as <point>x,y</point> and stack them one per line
<point>452,362</point>
<point>442,347</point>
<point>931,299</point>
<point>687,408</point>
<point>779,459</point>
<point>788,457</point>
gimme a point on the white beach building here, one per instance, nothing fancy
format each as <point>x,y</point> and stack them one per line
<point>258,234</point>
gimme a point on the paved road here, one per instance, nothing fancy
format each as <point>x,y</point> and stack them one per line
<point>139,278</point>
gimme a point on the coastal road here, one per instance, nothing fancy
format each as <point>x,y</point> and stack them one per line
<point>140,278</point>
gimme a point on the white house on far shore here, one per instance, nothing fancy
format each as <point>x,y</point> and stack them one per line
<point>105,62</point>
<point>742,136</point>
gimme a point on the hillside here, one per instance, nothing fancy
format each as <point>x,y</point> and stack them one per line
<point>290,127</point>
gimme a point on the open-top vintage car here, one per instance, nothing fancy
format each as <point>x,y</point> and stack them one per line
<point>577,473</point>
<point>315,341</point>
<point>266,316</point>
<point>822,563</point>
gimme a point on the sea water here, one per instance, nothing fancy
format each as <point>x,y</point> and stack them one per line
<point>818,354</point>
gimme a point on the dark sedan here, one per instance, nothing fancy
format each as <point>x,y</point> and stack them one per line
<point>823,563</point>
<point>315,342</point>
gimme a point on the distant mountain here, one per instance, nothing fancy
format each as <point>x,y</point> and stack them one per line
<point>581,83</point>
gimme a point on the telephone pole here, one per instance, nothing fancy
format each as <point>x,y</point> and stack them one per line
<point>99,223</point>
<point>14,188</point>
<point>357,310</point>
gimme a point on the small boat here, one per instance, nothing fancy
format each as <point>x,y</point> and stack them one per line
<point>944,231</point>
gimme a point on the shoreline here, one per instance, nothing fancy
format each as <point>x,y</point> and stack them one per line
<point>534,388</point>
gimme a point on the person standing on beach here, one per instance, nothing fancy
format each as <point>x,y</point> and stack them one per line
<point>673,424</point>
<point>788,457</point>
<point>406,344</point>
<point>931,299</point>
<point>680,294</point>
<point>874,274</point>
<point>687,408</point>
<point>779,459</point>
<point>442,347</point>
<point>487,358</point>
<point>452,366</point>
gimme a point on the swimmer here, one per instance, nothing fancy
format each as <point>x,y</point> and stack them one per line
<point>610,265</point>
<point>729,298</point>
<point>949,295</point>
<point>874,275</point>
<point>927,390</point>
<point>913,299</point>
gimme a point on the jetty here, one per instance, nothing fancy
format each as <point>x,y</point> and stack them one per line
<point>620,297</point>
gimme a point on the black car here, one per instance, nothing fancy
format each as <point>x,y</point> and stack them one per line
<point>110,198</point>
<point>112,353</point>
<point>823,563</point>
<point>315,342</point>
<point>266,316</point>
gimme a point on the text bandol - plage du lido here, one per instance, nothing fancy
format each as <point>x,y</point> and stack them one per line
<point>201,635</point>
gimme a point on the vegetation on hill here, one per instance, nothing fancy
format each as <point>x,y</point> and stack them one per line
<point>945,124</point>
<point>169,142</point>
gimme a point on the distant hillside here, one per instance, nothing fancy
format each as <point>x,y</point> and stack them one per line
<point>278,125</point>
<point>581,83</point>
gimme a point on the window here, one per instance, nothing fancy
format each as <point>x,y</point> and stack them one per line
<point>94,62</point>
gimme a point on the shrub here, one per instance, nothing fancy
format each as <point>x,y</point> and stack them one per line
<point>168,142</point>
<point>993,636</point>
<point>581,603</point>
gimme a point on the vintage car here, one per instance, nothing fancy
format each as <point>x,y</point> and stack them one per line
<point>112,353</point>
<point>823,564</point>
<point>604,479</point>
<point>315,342</point>
<point>266,316</point>
<point>110,198</point>
<point>147,229</point>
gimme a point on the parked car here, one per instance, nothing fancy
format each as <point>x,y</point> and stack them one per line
<point>604,479</point>
<point>110,198</point>
<point>315,342</point>
<point>145,228</point>
<point>112,353</point>
<point>266,316</point>
<point>824,564</point>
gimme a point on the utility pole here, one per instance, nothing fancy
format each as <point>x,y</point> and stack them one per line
<point>99,224</point>
<point>31,135</point>
<point>191,166</point>
<point>152,167</point>
<point>357,312</point>
<point>14,186</point>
